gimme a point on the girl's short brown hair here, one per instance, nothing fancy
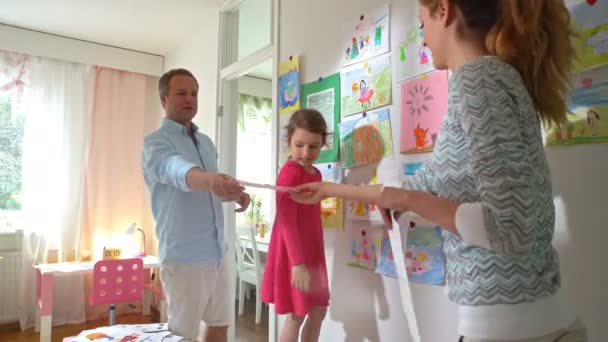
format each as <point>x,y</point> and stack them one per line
<point>308,119</point>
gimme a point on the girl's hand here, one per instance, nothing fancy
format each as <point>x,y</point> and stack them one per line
<point>300,278</point>
<point>310,193</point>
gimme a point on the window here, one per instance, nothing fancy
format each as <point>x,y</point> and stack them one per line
<point>254,140</point>
<point>12,123</point>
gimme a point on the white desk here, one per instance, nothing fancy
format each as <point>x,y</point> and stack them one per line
<point>45,274</point>
<point>262,243</point>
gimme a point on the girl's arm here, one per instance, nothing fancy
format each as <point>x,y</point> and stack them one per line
<point>287,219</point>
<point>438,210</point>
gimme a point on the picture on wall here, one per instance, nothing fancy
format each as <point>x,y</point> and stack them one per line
<point>386,261</point>
<point>424,101</point>
<point>289,85</point>
<point>367,36</point>
<point>412,58</point>
<point>366,85</point>
<point>366,138</point>
<point>411,169</point>
<point>283,146</point>
<point>588,105</point>
<point>590,21</point>
<point>324,95</point>
<point>371,250</point>
<point>424,257</point>
<point>332,209</point>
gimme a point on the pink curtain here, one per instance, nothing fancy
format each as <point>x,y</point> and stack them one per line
<point>113,186</point>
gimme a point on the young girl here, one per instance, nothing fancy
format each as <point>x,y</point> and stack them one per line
<point>295,278</point>
<point>487,183</point>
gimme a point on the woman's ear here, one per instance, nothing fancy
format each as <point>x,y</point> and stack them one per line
<point>444,11</point>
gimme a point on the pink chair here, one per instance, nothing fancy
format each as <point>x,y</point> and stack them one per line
<point>117,281</point>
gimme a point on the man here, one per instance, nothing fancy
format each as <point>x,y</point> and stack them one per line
<point>180,170</point>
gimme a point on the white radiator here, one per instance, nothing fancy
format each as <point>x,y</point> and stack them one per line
<point>10,266</point>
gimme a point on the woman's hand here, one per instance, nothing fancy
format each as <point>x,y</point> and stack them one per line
<point>300,278</point>
<point>310,193</point>
<point>394,198</point>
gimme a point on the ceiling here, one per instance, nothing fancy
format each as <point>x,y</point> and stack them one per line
<point>152,26</point>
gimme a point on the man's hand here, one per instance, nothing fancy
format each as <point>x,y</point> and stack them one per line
<point>243,202</point>
<point>225,186</point>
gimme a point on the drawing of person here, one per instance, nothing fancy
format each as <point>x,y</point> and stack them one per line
<point>365,94</point>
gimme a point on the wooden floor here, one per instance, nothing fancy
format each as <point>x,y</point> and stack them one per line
<point>246,329</point>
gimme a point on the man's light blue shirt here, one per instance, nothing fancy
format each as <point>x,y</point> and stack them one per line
<point>189,224</point>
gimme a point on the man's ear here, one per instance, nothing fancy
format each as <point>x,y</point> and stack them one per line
<point>163,101</point>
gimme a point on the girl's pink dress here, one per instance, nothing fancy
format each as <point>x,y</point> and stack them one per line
<point>297,238</point>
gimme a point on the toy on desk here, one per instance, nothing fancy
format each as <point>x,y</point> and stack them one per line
<point>111,253</point>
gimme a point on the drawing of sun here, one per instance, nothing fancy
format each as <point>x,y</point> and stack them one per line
<point>418,99</point>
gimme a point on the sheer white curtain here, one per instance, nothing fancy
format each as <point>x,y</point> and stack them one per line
<point>59,104</point>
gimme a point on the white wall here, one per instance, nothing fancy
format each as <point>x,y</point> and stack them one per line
<point>580,187</point>
<point>255,86</point>
<point>73,50</point>
<point>198,53</point>
<point>365,306</point>
<point>254,26</point>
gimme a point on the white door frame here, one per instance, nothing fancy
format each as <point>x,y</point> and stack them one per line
<point>226,120</point>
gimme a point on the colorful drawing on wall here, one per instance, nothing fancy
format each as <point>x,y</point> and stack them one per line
<point>366,85</point>
<point>330,172</point>
<point>371,250</point>
<point>368,36</point>
<point>283,146</point>
<point>332,209</point>
<point>410,169</point>
<point>412,58</point>
<point>590,21</point>
<point>424,257</point>
<point>289,85</point>
<point>360,211</point>
<point>366,138</point>
<point>324,96</point>
<point>424,101</point>
<point>588,104</point>
<point>364,251</point>
<point>386,264</point>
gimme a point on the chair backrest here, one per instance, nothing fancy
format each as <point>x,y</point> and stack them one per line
<point>117,281</point>
<point>247,250</point>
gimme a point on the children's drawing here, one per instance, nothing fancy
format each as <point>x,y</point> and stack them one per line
<point>588,105</point>
<point>424,101</point>
<point>590,21</point>
<point>366,138</point>
<point>413,58</point>
<point>332,209</point>
<point>330,172</point>
<point>361,211</point>
<point>363,251</point>
<point>284,152</point>
<point>370,36</point>
<point>366,85</point>
<point>371,250</point>
<point>98,336</point>
<point>324,96</point>
<point>386,264</point>
<point>410,169</point>
<point>289,85</point>
<point>424,257</point>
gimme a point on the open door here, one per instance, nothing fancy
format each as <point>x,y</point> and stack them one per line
<point>247,112</point>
